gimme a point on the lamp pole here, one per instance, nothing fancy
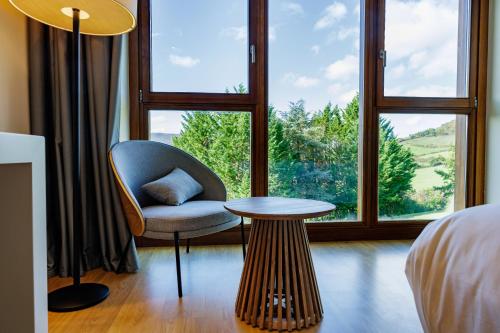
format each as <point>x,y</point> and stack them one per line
<point>77,296</point>
<point>75,108</point>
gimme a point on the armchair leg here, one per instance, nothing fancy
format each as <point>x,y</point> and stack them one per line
<point>187,245</point>
<point>243,238</point>
<point>178,264</point>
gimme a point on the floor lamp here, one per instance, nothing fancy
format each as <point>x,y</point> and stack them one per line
<point>90,17</point>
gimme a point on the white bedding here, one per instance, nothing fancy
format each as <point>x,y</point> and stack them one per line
<point>454,271</point>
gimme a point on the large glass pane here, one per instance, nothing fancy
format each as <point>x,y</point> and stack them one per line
<point>422,164</point>
<point>314,107</point>
<point>199,45</point>
<point>427,45</point>
<point>220,140</point>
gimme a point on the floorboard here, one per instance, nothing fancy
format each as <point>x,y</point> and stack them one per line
<point>362,284</point>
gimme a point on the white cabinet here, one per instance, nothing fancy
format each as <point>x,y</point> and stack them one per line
<point>23,250</point>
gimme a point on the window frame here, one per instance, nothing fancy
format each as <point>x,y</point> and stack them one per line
<point>192,97</point>
<point>468,106</point>
<point>429,102</point>
<point>372,104</point>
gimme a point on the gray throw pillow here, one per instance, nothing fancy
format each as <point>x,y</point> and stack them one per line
<point>173,189</point>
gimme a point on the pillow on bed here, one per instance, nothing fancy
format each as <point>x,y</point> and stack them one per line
<point>454,272</point>
<point>173,189</point>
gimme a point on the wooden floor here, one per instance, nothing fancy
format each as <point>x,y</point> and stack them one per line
<point>362,285</point>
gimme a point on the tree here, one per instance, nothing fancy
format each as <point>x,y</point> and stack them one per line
<point>220,140</point>
<point>339,132</point>
<point>396,171</point>
<point>310,156</point>
<point>279,153</point>
<point>320,156</point>
<point>448,176</point>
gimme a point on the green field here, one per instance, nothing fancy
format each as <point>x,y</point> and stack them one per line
<point>431,151</point>
<point>426,148</point>
<point>426,178</point>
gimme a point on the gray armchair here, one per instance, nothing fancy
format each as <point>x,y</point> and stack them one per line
<point>135,163</point>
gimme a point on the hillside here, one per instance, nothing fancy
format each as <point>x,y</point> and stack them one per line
<point>431,148</point>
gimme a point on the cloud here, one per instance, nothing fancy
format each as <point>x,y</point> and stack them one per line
<point>420,90</point>
<point>331,14</point>
<point>439,61</point>
<point>183,61</point>
<point>272,33</point>
<point>397,71</point>
<point>392,91</point>
<point>342,93</point>
<point>315,49</point>
<point>417,58</point>
<point>306,82</point>
<point>351,32</point>
<point>357,10</point>
<point>289,77</point>
<point>236,33</point>
<point>431,90</point>
<point>344,69</point>
<point>301,81</point>
<point>413,26</point>
<point>421,43</point>
<point>293,8</point>
<point>166,122</point>
<point>346,33</point>
<point>413,120</point>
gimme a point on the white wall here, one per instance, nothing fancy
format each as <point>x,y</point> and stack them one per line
<point>493,116</point>
<point>14,100</point>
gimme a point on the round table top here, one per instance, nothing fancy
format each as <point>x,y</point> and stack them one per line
<point>277,208</point>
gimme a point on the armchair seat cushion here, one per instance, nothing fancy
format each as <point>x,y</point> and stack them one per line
<point>190,216</point>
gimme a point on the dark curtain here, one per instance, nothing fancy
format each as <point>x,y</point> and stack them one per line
<point>105,230</point>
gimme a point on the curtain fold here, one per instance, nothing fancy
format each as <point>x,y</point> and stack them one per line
<point>105,231</point>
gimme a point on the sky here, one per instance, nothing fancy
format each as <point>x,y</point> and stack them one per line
<point>201,46</point>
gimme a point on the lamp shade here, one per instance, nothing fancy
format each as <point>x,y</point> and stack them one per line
<point>97,17</point>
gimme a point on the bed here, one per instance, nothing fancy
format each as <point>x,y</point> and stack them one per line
<point>454,272</point>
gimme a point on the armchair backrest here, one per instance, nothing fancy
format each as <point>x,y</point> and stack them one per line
<point>138,162</point>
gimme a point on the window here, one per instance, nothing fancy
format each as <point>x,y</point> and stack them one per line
<point>374,105</point>
<point>220,140</point>
<point>421,165</point>
<point>314,102</point>
<point>427,48</point>
<point>199,45</point>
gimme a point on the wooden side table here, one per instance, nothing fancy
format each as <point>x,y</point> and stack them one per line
<point>278,288</point>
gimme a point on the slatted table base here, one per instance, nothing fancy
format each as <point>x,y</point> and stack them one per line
<point>278,288</point>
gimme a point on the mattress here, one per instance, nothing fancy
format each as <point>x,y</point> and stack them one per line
<point>454,272</point>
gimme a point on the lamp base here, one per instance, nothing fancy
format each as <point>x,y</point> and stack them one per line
<point>77,297</point>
